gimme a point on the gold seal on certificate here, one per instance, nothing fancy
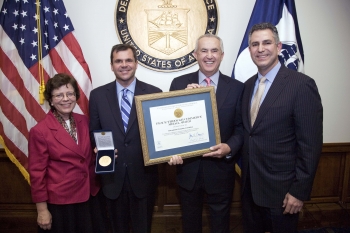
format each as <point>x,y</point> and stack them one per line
<point>105,160</point>
<point>178,113</point>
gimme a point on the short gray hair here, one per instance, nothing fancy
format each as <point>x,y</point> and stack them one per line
<point>209,36</point>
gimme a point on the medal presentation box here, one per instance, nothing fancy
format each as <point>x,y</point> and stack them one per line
<point>105,159</point>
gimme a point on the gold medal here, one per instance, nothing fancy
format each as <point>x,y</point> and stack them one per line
<point>104,161</point>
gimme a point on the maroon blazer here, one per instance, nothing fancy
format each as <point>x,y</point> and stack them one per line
<point>61,171</point>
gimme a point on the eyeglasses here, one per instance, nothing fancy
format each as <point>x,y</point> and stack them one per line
<point>70,95</point>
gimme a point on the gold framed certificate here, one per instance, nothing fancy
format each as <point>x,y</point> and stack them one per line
<point>183,123</point>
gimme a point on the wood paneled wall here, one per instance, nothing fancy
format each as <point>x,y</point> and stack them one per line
<point>332,184</point>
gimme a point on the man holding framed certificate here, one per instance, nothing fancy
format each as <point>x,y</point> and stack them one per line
<point>130,189</point>
<point>213,173</point>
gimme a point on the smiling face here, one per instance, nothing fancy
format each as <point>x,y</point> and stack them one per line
<point>263,50</point>
<point>63,104</point>
<point>124,67</point>
<point>209,55</point>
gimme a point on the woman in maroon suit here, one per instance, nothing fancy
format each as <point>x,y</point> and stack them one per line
<point>61,162</point>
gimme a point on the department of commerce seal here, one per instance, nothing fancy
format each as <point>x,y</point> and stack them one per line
<point>178,113</point>
<point>105,160</point>
<point>164,32</point>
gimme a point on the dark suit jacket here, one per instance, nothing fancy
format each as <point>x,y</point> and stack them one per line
<point>218,173</point>
<point>61,171</point>
<point>105,114</point>
<point>283,147</point>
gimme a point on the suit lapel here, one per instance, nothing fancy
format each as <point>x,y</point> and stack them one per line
<point>222,90</point>
<point>112,98</point>
<point>275,90</point>
<point>63,137</point>
<point>193,78</point>
<point>247,100</point>
<point>81,131</point>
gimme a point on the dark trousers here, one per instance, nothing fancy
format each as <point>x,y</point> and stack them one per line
<point>258,219</point>
<point>192,207</point>
<point>98,210</point>
<point>70,218</point>
<point>129,212</point>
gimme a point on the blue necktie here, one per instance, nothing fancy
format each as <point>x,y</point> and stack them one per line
<point>125,108</point>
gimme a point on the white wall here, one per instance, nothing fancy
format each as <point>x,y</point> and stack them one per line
<point>325,32</point>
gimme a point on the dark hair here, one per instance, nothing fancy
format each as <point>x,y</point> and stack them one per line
<point>56,82</point>
<point>264,26</point>
<point>123,47</point>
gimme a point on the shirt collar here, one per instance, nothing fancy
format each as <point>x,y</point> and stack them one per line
<point>270,76</point>
<point>214,78</point>
<point>131,87</point>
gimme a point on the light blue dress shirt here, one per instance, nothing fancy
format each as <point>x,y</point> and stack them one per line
<point>214,79</point>
<point>130,93</point>
<point>270,77</point>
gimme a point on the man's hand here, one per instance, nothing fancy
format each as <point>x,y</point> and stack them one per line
<point>192,86</point>
<point>175,160</point>
<point>292,205</point>
<point>218,151</point>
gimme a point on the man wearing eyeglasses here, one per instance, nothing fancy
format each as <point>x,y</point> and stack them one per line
<point>130,190</point>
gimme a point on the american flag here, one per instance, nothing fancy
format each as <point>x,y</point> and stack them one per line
<point>20,109</point>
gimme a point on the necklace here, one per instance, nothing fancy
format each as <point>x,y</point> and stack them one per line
<point>73,129</point>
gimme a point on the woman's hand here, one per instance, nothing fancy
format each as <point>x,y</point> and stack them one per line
<point>44,216</point>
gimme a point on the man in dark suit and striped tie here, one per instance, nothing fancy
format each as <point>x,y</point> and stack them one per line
<point>130,189</point>
<point>282,118</point>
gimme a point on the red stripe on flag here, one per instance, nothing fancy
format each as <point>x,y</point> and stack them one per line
<point>74,47</point>
<point>13,115</point>
<point>83,103</point>
<point>20,156</point>
<point>34,70</point>
<point>13,76</point>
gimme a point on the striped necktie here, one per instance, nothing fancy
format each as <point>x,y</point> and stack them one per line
<point>125,108</point>
<point>256,101</point>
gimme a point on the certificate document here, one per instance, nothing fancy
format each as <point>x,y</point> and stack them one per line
<point>179,125</point>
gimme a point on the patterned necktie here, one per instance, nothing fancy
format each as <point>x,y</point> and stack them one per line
<point>207,80</point>
<point>256,101</point>
<point>125,108</point>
